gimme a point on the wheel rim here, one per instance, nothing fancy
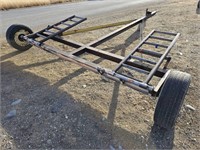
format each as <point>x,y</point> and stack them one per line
<point>17,37</point>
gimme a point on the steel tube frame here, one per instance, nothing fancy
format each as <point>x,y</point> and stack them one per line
<point>143,87</point>
<point>109,56</point>
<point>113,34</point>
<point>161,59</point>
<point>135,49</point>
<point>93,67</point>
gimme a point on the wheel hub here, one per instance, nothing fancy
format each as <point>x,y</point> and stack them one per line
<point>19,37</point>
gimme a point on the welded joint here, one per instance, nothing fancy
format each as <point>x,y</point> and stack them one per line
<point>101,70</point>
<point>167,63</point>
<point>148,13</point>
<point>31,41</point>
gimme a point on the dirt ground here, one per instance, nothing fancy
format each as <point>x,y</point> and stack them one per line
<point>55,104</point>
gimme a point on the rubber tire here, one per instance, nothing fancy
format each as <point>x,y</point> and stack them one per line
<point>171,98</point>
<point>11,33</point>
<point>198,8</point>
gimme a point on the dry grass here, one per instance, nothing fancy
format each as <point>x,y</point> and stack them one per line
<point>9,4</point>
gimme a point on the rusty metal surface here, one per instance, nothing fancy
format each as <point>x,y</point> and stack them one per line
<point>90,48</point>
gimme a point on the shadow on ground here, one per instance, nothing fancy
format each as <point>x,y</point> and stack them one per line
<point>10,55</point>
<point>48,117</point>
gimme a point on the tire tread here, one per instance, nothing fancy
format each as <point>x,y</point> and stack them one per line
<point>171,98</point>
<point>10,33</point>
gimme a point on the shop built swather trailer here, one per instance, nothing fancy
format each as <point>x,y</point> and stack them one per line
<point>171,88</point>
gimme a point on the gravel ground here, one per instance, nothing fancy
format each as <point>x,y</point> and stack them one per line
<point>47,103</point>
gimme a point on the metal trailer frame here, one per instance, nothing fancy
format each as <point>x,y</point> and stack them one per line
<point>73,56</point>
<point>171,88</point>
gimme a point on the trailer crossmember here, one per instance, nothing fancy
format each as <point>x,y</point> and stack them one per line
<point>55,31</point>
<point>155,47</point>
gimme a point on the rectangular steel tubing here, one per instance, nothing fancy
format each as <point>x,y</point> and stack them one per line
<point>143,59</point>
<point>168,33</point>
<point>92,66</point>
<point>49,27</point>
<point>40,35</point>
<point>114,33</point>
<point>61,31</point>
<point>65,24</point>
<point>48,31</point>
<point>133,51</point>
<point>124,78</point>
<point>118,59</point>
<point>120,30</point>
<point>151,53</point>
<point>156,44</point>
<point>139,86</point>
<point>108,55</point>
<point>78,45</point>
<point>57,28</point>
<point>145,91</point>
<point>136,69</point>
<point>160,83</point>
<point>68,42</point>
<point>161,38</point>
<point>151,74</point>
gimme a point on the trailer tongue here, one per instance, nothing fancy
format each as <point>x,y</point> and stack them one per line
<point>172,86</point>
